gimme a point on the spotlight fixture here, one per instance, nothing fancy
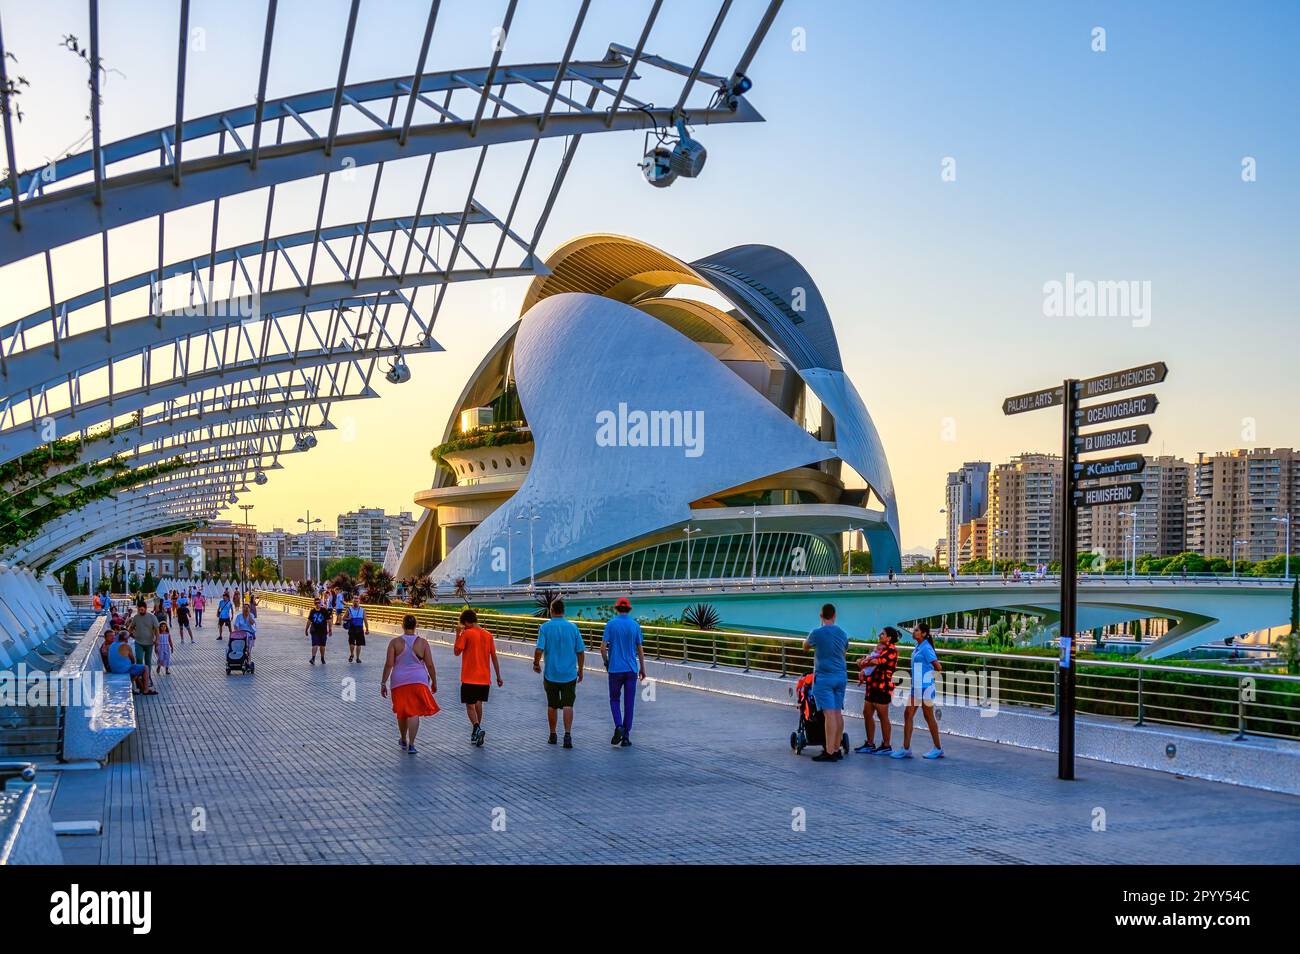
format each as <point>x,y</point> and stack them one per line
<point>671,157</point>
<point>259,478</point>
<point>399,372</point>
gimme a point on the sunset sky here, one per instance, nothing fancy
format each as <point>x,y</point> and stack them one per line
<point>1117,165</point>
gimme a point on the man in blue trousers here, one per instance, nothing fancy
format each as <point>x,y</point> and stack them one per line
<point>620,647</point>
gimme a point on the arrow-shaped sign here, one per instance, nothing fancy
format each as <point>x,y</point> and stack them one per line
<point>1108,494</point>
<point>1114,439</point>
<point>1033,401</point>
<point>1127,466</point>
<point>1138,377</point>
<point>1118,410</point>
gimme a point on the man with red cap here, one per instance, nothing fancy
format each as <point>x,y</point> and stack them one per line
<point>624,657</point>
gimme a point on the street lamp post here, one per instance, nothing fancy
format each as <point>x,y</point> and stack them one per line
<point>949,543</point>
<point>689,531</point>
<point>309,521</point>
<point>1130,544</point>
<point>1234,556</point>
<point>995,534</point>
<point>753,543</point>
<point>243,544</point>
<point>1286,519</point>
<point>848,557</point>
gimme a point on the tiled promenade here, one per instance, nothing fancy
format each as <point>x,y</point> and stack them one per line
<point>288,766</point>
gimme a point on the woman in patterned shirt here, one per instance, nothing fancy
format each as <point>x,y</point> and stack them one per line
<point>877,672</point>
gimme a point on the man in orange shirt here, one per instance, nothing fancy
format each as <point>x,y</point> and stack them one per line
<point>475,647</point>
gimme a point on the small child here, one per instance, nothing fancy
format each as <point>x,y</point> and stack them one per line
<point>164,648</point>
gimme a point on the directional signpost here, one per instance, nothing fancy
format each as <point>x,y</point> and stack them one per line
<point>1067,397</point>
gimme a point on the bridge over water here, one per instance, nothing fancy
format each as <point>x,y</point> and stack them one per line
<point>1205,610</point>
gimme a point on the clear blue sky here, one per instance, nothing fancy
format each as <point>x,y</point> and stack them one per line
<point>1118,165</point>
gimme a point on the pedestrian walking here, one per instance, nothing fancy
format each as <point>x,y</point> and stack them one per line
<point>144,631</point>
<point>560,645</point>
<point>409,664</point>
<point>358,627</point>
<point>624,656</point>
<point>476,649</point>
<point>183,619</point>
<point>225,612</point>
<point>164,644</point>
<point>830,646</point>
<point>925,663</point>
<point>199,602</point>
<point>319,623</point>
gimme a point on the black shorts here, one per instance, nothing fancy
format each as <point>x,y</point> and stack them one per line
<point>879,697</point>
<point>560,695</point>
<point>472,692</point>
<point>356,636</point>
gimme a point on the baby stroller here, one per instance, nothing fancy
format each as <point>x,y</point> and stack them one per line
<point>238,656</point>
<point>812,723</point>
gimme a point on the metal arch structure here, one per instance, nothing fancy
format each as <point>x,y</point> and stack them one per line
<point>197,374</point>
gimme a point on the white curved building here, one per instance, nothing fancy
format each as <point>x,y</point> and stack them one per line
<point>639,398</point>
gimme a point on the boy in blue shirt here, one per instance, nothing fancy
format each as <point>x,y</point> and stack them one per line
<point>624,657</point>
<point>560,643</point>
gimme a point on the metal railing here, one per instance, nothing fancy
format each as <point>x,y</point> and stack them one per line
<point>1244,704</point>
<point>444,590</point>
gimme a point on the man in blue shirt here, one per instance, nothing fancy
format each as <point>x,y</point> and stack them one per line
<point>624,657</point>
<point>560,643</point>
<point>225,611</point>
<point>830,646</point>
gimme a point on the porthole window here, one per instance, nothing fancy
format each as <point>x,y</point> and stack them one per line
<point>494,463</point>
<point>507,461</point>
<point>523,461</point>
<point>482,466</point>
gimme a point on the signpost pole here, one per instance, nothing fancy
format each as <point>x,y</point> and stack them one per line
<point>1069,583</point>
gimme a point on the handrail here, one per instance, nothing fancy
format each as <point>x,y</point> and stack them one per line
<point>1245,702</point>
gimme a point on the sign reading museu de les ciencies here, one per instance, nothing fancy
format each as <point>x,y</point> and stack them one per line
<point>1076,473</point>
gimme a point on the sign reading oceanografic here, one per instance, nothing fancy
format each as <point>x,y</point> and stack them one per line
<point>1114,439</point>
<point>1109,494</point>
<point>1138,377</point>
<point>1127,466</point>
<point>1118,410</point>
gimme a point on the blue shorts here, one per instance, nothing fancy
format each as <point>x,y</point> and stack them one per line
<point>923,687</point>
<point>829,695</point>
<point>138,670</point>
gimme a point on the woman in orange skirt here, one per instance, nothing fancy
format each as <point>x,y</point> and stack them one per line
<point>409,663</point>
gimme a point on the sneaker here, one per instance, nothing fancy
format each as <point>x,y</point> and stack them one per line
<point>866,748</point>
<point>552,740</point>
<point>933,754</point>
<point>473,732</point>
<point>410,750</point>
<point>482,734</point>
<point>313,660</point>
<point>401,743</point>
<point>901,754</point>
<point>827,757</point>
<point>626,743</point>
<point>618,737</point>
<point>883,750</point>
<point>568,741</point>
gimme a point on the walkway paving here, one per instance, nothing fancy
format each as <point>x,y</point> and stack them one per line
<point>293,765</point>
